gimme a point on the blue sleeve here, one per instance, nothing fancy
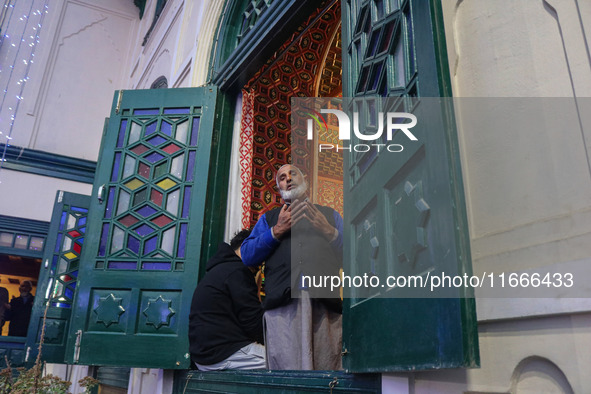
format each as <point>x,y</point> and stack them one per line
<point>259,245</point>
<point>337,244</point>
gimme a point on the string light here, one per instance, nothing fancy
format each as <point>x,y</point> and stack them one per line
<point>23,53</point>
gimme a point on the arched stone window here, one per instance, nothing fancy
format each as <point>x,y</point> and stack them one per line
<point>160,83</point>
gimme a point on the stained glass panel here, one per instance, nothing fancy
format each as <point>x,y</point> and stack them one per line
<point>182,130</point>
<point>123,203</point>
<point>128,166</point>
<point>134,133</point>
<point>168,240</point>
<point>172,202</point>
<point>195,131</point>
<point>166,128</point>
<point>176,168</point>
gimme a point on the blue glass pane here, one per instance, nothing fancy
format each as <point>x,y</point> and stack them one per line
<point>103,242</point>
<point>82,222</point>
<point>186,202</point>
<point>154,157</point>
<point>166,128</point>
<point>156,266</point>
<point>150,245</point>
<point>82,229</point>
<point>69,293</point>
<point>146,211</point>
<point>74,274</point>
<point>195,131</point>
<point>133,244</point>
<point>190,166</point>
<point>63,220</point>
<point>144,229</point>
<point>110,201</point>
<point>54,263</point>
<point>73,284</point>
<point>115,172</point>
<point>58,243</point>
<point>151,111</point>
<point>79,209</point>
<point>168,111</point>
<point>60,305</point>
<point>182,241</point>
<point>80,240</point>
<point>151,128</point>
<point>122,265</point>
<point>121,136</point>
<point>156,140</point>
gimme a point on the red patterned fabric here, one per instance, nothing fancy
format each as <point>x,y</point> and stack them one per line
<point>246,134</point>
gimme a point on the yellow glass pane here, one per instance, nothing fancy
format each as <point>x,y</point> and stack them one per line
<point>134,184</point>
<point>166,183</point>
<point>70,255</point>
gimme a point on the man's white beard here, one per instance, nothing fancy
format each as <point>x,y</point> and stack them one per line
<point>290,195</point>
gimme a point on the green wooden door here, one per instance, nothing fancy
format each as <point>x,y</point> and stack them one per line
<point>58,278</point>
<point>405,211</point>
<point>140,263</point>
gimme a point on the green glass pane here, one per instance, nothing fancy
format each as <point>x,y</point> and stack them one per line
<point>172,202</point>
<point>134,133</point>
<point>123,203</point>
<point>182,129</point>
<point>176,168</point>
<point>140,197</point>
<point>160,170</point>
<point>129,166</point>
<point>117,240</point>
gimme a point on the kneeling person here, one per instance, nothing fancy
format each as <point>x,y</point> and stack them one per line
<point>226,319</point>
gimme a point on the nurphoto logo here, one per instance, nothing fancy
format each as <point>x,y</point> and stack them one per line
<point>393,121</point>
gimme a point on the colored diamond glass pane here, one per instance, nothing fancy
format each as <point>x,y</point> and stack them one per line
<point>73,264</point>
<point>172,202</point>
<point>168,240</point>
<point>154,157</point>
<point>156,197</point>
<point>140,197</point>
<point>128,167</point>
<point>176,167</point>
<point>70,255</point>
<point>134,184</point>
<point>150,245</point>
<point>123,203</point>
<point>186,202</point>
<point>151,127</point>
<point>146,211</point>
<point>195,131</point>
<point>69,293</point>
<point>62,267</point>
<point>144,230</point>
<point>158,255</point>
<point>81,240</point>
<point>133,244</point>
<point>160,170</point>
<point>146,111</point>
<point>122,265</point>
<point>110,201</point>
<point>78,209</point>
<point>81,222</point>
<point>62,220</point>
<point>77,248</point>
<point>166,184</point>
<point>128,220</point>
<point>53,265</point>
<point>140,149</point>
<point>134,133</point>
<point>182,130</point>
<point>103,242</point>
<point>71,221</point>
<point>115,172</point>
<point>157,140</point>
<point>67,244</point>
<point>74,234</point>
<point>121,136</point>
<point>59,289</point>
<point>117,240</point>
<point>166,128</point>
<point>153,266</point>
<point>182,240</point>
<point>190,166</point>
<point>36,243</point>
<point>65,278</point>
<point>161,220</point>
<point>171,148</point>
<point>144,170</point>
<point>171,111</point>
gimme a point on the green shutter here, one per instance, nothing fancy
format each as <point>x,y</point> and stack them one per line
<point>390,51</point>
<point>140,264</point>
<point>58,277</point>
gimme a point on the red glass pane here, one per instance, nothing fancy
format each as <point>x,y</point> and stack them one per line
<point>74,234</point>
<point>161,220</point>
<point>138,150</point>
<point>171,148</point>
<point>144,170</point>
<point>128,220</point>
<point>77,247</point>
<point>156,197</point>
